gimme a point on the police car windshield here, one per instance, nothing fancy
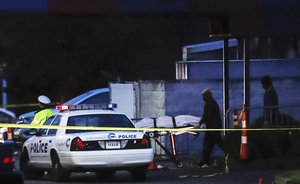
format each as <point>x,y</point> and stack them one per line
<point>98,120</point>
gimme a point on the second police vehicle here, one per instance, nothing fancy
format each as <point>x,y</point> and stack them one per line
<point>96,96</point>
<point>86,147</point>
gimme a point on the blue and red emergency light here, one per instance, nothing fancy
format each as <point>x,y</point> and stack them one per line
<point>64,107</point>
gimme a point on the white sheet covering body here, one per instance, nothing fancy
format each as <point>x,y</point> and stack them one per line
<point>168,121</point>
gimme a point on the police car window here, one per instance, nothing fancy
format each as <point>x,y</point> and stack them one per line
<point>98,120</point>
<point>101,98</point>
<point>55,122</point>
<point>43,131</point>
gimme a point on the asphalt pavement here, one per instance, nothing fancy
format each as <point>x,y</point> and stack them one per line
<point>190,167</point>
<point>276,163</point>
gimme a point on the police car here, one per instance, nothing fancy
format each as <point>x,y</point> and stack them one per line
<point>84,147</point>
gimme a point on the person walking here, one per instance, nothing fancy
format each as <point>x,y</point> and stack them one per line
<point>271,104</point>
<point>212,120</point>
<point>44,113</point>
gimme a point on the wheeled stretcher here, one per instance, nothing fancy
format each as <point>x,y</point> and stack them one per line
<point>181,121</point>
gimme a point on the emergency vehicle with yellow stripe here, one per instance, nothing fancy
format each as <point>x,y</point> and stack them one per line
<point>62,151</point>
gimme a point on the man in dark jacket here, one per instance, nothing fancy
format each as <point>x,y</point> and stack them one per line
<point>212,119</point>
<point>271,105</point>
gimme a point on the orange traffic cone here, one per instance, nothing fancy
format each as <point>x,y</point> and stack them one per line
<point>152,166</point>
<point>260,181</point>
<point>244,145</point>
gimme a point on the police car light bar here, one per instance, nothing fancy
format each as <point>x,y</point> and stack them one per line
<point>86,106</point>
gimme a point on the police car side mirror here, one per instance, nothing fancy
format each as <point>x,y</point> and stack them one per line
<point>33,131</point>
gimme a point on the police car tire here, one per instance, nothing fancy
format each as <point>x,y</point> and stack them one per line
<point>58,172</point>
<point>105,174</point>
<point>28,172</point>
<point>139,173</point>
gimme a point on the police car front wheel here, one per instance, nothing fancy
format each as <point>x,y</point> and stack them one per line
<point>28,172</point>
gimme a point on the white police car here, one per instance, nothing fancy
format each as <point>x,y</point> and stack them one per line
<point>62,151</point>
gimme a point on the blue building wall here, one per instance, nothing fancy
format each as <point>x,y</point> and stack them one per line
<point>184,97</point>
<point>212,69</point>
<point>208,74</point>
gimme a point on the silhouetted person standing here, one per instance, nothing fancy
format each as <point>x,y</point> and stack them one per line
<point>271,105</point>
<point>212,119</point>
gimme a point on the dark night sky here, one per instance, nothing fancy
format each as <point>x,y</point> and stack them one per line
<point>63,56</point>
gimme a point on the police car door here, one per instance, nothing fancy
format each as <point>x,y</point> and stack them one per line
<point>51,137</point>
<point>40,146</point>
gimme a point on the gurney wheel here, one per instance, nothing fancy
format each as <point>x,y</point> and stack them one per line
<point>151,134</point>
<point>179,164</point>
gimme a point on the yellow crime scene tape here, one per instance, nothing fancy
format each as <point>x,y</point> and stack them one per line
<point>27,105</point>
<point>21,105</point>
<point>185,129</point>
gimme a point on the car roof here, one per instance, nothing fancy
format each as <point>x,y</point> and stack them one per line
<point>10,113</point>
<point>74,101</point>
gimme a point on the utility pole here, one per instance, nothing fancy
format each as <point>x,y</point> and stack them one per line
<point>246,79</point>
<point>219,26</point>
<point>225,82</point>
<point>4,84</point>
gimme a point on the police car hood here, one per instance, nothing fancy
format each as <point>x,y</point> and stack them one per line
<point>110,135</point>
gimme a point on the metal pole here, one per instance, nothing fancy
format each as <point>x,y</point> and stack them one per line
<point>4,94</point>
<point>246,79</point>
<point>4,85</point>
<point>225,82</point>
